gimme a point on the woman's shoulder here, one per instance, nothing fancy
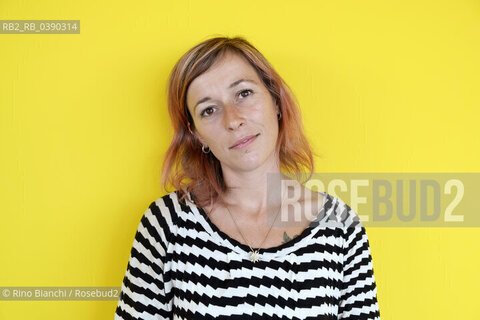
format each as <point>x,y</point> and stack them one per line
<point>338,212</point>
<point>170,199</point>
<point>171,206</point>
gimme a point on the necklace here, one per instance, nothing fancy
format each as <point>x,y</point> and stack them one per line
<point>254,254</point>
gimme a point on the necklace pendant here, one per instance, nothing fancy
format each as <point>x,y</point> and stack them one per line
<point>254,256</point>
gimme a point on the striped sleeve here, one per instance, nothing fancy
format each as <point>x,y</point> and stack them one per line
<point>358,297</point>
<point>143,293</point>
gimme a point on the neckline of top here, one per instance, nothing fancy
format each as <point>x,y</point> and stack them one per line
<point>271,251</point>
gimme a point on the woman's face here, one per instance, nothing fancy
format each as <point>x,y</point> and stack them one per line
<point>228,104</point>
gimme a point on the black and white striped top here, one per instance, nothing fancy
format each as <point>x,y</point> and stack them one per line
<point>182,266</point>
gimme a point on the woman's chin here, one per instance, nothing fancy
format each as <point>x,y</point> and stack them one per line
<point>246,164</point>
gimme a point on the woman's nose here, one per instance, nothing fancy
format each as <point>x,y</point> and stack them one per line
<point>232,117</point>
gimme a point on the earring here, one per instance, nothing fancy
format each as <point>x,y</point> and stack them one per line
<point>205,151</point>
<point>279,115</point>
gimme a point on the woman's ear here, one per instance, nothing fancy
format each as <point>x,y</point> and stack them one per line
<point>189,129</point>
<point>195,133</point>
<point>200,138</point>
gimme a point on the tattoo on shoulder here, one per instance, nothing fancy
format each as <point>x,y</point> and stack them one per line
<point>286,238</point>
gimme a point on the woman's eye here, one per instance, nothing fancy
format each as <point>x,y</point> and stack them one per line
<point>245,91</point>
<point>207,111</point>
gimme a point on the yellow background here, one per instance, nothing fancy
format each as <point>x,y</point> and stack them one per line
<point>384,86</point>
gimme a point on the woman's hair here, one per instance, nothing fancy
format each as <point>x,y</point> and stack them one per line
<point>185,166</point>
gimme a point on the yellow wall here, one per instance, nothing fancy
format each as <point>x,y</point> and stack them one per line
<point>384,86</point>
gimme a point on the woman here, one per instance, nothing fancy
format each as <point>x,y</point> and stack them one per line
<point>209,249</point>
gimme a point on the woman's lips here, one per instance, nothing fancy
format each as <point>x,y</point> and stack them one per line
<point>244,144</point>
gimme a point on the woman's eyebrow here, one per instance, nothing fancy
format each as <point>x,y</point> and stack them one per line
<point>235,83</point>
<point>239,81</point>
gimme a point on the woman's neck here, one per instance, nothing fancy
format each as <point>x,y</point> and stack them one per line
<point>254,193</point>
